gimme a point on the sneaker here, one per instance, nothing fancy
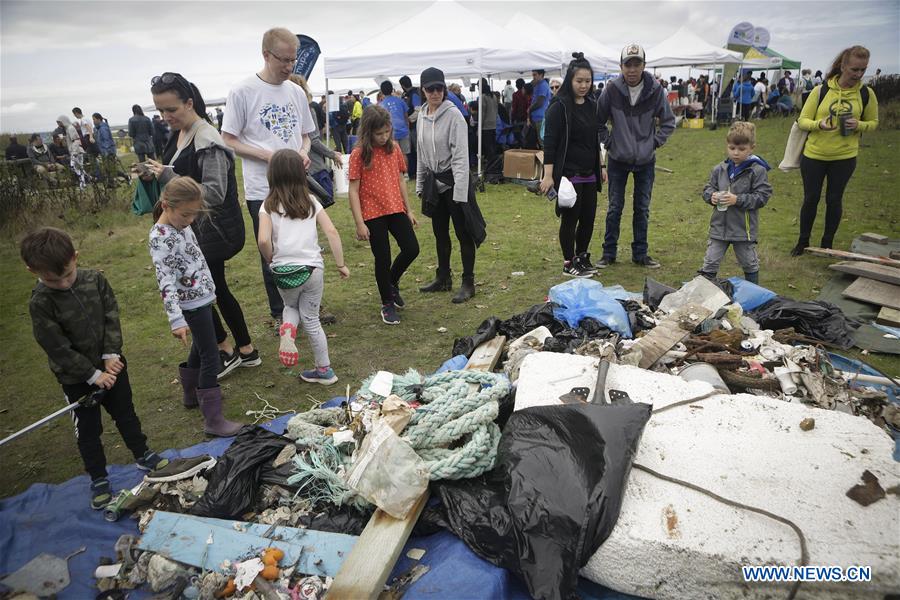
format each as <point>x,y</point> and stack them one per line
<point>398,301</point>
<point>604,262</point>
<point>287,348</point>
<point>251,359</point>
<point>583,261</point>
<point>181,468</point>
<point>278,322</point>
<point>151,461</point>
<point>389,314</point>
<point>571,268</point>
<point>798,250</point>
<point>230,362</point>
<point>324,376</point>
<point>646,262</point>
<point>101,493</point>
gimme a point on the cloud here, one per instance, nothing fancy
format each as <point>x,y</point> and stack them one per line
<point>18,108</point>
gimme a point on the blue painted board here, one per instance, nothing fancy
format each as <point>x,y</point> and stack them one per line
<point>183,538</point>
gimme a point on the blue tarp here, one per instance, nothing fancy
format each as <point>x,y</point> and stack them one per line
<point>57,519</point>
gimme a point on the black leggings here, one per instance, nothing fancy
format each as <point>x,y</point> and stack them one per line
<point>228,304</point>
<point>387,273</point>
<point>446,210</point>
<point>576,224</point>
<point>204,354</point>
<point>814,173</point>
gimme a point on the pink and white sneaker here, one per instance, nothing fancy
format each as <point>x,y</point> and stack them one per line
<point>287,350</point>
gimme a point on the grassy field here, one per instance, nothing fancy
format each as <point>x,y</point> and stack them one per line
<point>522,236</point>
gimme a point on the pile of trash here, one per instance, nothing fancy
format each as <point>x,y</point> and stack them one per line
<point>275,514</point>
<point>733,334</point>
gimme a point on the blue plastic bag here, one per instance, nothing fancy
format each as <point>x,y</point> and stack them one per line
<point>580,298</point>
<point>749,295</point>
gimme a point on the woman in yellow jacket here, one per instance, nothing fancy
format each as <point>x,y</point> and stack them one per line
<point>834,114</point>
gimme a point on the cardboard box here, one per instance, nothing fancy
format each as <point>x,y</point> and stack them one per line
<point>523,164</point>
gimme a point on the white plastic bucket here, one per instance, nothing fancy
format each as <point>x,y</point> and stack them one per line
<point>704,372</point>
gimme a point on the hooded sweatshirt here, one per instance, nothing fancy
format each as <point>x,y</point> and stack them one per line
<point>73,140</point>
<point>748,181</point>
<point>634,137</point>
<point>831,145</point>
<point>443,144</point>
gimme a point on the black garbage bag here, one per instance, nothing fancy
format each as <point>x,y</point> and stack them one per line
<point>336,519</point>
<point>486,331</point>
<point>568,339</point>
<point>234,481</point>
<point>539,314</point>
<point>814,318</point>
<point>654,292</point>
<point>514,327</point>
<point>555,494</point>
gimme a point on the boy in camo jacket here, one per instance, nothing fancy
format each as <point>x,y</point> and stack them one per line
<point>75,319</point>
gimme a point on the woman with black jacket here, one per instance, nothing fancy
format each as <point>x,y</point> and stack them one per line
<point>197,150</point>
<point>572,150</point>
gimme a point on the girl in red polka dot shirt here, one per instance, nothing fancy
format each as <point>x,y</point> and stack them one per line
<point>380,206</point>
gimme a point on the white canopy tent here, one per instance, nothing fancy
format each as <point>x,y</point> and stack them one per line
<point>566,41</point>
<point>684,48</point>
<point>602,57</point>
<point>473,47</point>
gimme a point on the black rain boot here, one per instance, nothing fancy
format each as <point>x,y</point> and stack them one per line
<point>466,290</point>
<point>800,247</point>
<point>752,277</point>
<point>443,282</point>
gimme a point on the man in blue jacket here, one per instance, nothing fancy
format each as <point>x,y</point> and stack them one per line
<point>633,102</point>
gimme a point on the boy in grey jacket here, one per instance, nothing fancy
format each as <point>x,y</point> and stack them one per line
<point>738,187</point>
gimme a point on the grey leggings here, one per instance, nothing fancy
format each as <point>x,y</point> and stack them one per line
<point>301,307</point>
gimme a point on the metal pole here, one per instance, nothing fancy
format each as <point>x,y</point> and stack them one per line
<point>327,114</point>
<point>480,116</point>
<point>37,424</point>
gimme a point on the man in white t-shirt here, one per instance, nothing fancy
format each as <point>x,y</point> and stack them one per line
<point>266,113</point>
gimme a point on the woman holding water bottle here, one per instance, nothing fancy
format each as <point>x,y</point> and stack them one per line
<point>834,114</point>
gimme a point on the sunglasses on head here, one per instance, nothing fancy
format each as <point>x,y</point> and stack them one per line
<point>173,79</point>
<point>435,88</point>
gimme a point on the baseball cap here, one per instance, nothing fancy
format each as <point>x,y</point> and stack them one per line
<point>633,51</point>
<point>431,76</point>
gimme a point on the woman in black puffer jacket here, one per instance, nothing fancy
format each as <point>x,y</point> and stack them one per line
<point>196,149</point>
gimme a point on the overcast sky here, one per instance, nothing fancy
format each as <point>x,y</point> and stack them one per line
<point>101,55</point>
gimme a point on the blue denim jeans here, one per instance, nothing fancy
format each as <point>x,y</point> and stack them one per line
<point>643,185</point>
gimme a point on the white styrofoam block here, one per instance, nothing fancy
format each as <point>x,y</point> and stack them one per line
<point>672,542</point>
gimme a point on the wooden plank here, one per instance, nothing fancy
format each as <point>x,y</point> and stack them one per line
<point>669,332</point>
<point>485,356</point>
<point>372,559</point>
<point>888,316</point>
<point>831,253</point>
<point>183,538</point>
<point>870,270</point>
<point>874,292</point>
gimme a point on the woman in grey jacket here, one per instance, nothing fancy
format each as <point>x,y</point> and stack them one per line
<point>442,181</point>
